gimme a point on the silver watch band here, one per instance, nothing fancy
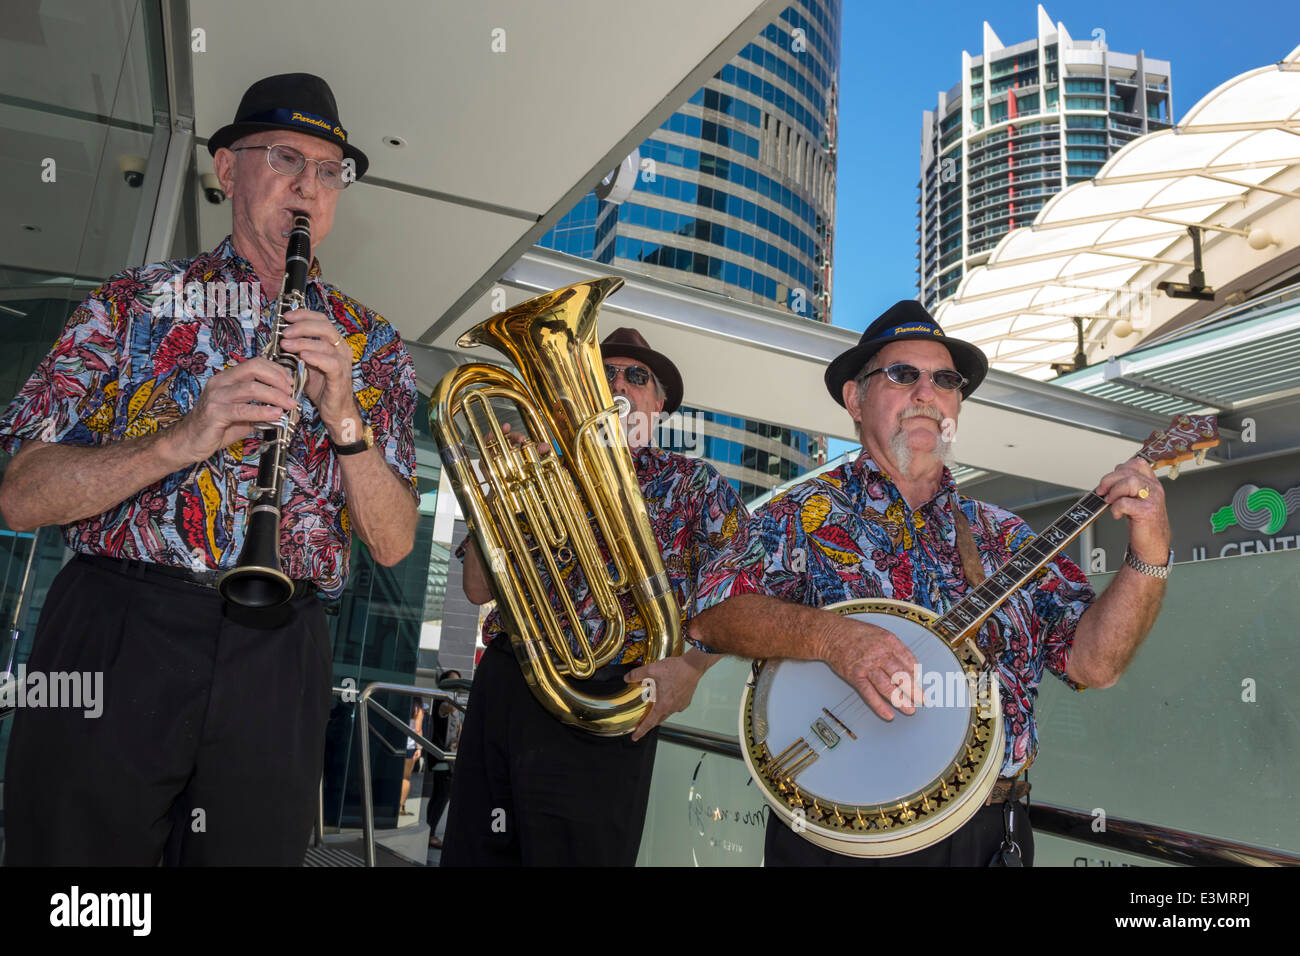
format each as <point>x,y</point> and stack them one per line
<point>1151,570</point>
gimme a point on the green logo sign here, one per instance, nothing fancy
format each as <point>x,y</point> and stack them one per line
<point>1257,509</point>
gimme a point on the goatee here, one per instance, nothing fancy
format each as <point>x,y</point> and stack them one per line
<point>902,451</point>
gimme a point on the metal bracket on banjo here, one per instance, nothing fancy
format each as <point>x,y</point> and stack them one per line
<point>823,730</point>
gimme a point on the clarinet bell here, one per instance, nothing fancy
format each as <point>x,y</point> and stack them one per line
<point>258,581</point>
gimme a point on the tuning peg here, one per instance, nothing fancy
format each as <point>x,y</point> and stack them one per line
<point>1174,469</point>
<point>1200,455</point>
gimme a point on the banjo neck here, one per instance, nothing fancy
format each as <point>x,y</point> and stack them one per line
<point>1187,437</point>
<point>965,617</point>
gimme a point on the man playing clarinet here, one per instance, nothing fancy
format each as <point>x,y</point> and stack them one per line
<point>139,434</point>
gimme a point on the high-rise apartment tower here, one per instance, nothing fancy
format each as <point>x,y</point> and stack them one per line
<point>1022,123</point>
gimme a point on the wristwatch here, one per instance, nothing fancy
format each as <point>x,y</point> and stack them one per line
<point>356,447</point>
<point>1151,570</point>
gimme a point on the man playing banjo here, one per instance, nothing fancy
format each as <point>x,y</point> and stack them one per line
<point>890,525</point>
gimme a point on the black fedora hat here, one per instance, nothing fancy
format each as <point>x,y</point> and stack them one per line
<point>905,321</point>
<point>301,102</point>
<point>628,343</point>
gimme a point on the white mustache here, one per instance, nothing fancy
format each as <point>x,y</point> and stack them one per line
<point>926,411</point>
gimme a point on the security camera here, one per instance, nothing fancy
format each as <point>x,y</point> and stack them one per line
<point>212,189</point>
<point>132,170</point>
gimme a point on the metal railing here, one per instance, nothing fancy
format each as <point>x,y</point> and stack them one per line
<point>1130,836</point>
<point>366,702</point>
<point>15,632</point>
<point>1154,841</point>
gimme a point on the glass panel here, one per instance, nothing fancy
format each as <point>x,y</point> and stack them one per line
<point>386,623</point>
<point>79,104</point>
<point>1203,724</point>
<point>69,133</point>
<point>44,550</point>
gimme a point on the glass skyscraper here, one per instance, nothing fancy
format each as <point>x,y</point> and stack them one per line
<point>1022,123</point>
<point>735,194</point>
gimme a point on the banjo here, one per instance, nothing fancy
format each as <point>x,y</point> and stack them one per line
<point>850,782</point>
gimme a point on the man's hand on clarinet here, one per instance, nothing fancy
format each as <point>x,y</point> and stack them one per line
<point>312,337</point>
<point>234,404</point>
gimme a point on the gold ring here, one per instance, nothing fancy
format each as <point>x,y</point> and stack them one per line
<point>338,342</point>
<point>1142,493</point>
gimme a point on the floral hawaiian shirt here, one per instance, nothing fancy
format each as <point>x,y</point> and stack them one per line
<point>693,511</point>
<point>849,533</point>
<point>134,358</point>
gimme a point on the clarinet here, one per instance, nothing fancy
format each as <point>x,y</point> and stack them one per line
<point>257,580</point>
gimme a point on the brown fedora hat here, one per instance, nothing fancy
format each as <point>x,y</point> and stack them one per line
<point>628,343</point>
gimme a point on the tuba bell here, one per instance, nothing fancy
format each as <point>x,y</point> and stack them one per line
<point>529,508</point>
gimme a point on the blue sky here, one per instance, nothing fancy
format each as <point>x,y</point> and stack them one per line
<point>896,57</point>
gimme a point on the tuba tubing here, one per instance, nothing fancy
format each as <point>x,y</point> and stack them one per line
<point>564,400</point>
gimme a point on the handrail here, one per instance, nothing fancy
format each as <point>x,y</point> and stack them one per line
<point>1154,841</point>
<point>366,703</point>
<point>378,735</point>
<point>722,744</point>
<point>1130,836</point>
<point>15,632</point>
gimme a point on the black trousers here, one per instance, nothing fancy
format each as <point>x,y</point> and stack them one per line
<point>529,791</point>
<point>213,720</point>
<point>439,793</point>
<point>972,845</point>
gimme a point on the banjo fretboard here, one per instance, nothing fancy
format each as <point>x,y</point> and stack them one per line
<point>966,616</point>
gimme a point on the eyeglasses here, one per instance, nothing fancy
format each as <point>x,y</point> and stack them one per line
<point>634,374</point>
<point>903,374</point>
<point>290,162</point>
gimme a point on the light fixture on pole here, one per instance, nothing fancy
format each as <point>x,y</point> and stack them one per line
<point>1195,288</point>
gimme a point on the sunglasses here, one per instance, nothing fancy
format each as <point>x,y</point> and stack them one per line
<point>290,162</point>
<point>904,374</point>
<point>634,374</point>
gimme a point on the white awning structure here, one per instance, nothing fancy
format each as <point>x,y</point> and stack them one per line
<point>1098,250</point>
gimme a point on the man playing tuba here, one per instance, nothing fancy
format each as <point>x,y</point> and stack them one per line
<point>528,789</point>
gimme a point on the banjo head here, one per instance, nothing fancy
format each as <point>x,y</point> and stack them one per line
<point>845,779</point>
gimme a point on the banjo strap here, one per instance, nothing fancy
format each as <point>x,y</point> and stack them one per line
<point>971,566</point>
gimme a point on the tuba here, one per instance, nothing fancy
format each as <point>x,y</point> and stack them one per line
<point>532,508</point>
<point>257,580</point>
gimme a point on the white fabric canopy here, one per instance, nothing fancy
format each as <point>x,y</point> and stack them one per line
<point>1098,249</point>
